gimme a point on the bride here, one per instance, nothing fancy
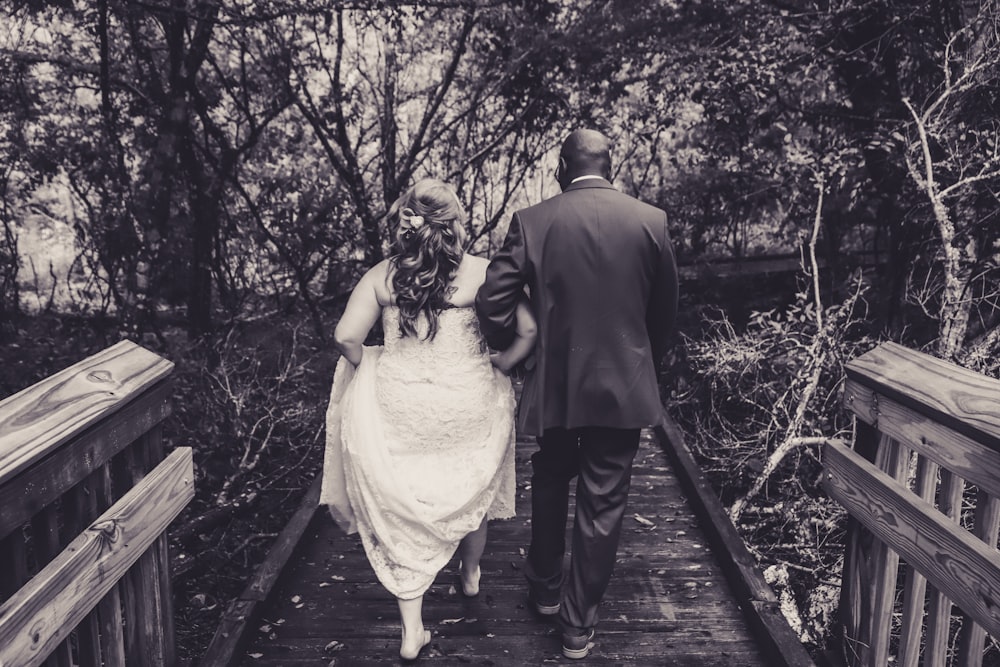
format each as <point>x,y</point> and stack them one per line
<point>420,432</point>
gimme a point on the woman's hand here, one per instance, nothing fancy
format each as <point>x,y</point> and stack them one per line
<point>501,361</point>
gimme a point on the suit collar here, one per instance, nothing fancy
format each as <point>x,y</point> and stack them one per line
<point>590,183</point>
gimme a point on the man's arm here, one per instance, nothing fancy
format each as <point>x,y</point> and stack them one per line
<point>661,313</point>
<point>497,299</point>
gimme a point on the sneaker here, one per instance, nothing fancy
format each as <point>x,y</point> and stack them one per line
<point>577,647</point>
<point>542,608</point>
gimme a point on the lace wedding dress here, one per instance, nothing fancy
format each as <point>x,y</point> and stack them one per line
<point>420,446</point>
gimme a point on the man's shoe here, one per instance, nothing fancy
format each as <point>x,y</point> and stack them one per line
<point>542,608</point>
<point>577,647</point>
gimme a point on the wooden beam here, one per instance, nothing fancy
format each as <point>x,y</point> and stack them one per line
<point>36,420</point>
<point>47,479</point>
<point>953,560</point>
<point>943,445</point>
<point>961,399</point>
<point>758,602</point>
<point>47,608</point>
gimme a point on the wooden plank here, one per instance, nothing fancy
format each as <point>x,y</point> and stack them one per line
<point>37,420</point>
<point>961,399</point>
<point>915,586</point>
<point>955,561</point>
<point>232,634</point>
<point>945,446</point>
<point>44,481</point>
<point>972,636</point>
<point>46,546</point>
<point>754,595</point>
<point>109,609</point>
<point>668,602</point>
<point>42,613</point>
<point>892,460</point>
<point>939,606</point>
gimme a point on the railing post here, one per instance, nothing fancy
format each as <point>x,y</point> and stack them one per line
<point>857,603</point>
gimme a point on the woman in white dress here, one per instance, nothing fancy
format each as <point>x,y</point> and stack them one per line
<point>420,431</point>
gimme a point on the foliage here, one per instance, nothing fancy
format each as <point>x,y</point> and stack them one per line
<point>755,416</point>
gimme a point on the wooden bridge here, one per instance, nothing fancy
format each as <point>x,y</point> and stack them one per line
<point>86,494</point>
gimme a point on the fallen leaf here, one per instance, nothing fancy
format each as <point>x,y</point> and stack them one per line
<point>324,584</point>
<point>336,577</point>
<point>296,598</point>
<point>452,621</point>
<point>265,628</point>
<point>256,655</point>
<point>643,520</point>
<point>333,646</point>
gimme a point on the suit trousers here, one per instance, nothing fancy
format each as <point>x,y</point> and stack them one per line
<point>601,459</point>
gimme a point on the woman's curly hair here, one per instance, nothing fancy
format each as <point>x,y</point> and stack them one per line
<point>425,258</point>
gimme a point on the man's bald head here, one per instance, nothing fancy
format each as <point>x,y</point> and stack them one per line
<point>584,153</point>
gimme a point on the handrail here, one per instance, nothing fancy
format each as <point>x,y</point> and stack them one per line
<point>86,495</point>
<point>927,440</point>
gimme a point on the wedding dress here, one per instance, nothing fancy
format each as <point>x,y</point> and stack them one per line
<point>420,447</point>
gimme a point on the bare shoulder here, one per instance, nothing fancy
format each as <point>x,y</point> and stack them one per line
<point>476,263</point>
<point>377,279</point>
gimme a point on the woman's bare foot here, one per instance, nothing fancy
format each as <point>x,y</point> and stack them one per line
<point>410,647</point>
<point>470,580</point>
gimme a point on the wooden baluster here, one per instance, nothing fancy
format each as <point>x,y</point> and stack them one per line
<point>970,641</point>
<point>856,589</point>
<point>123,470</point>
<point>161,549</point>
<point>46,546</point>
<point>939,607</point>
<point>14,548</point>
<point>892,459</point>
<point>81,510</point>
<point>145,575</point>
<point>109,610</point>
<point>915,588</point>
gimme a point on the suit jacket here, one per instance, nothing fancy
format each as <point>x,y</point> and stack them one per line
<point>600,272</point>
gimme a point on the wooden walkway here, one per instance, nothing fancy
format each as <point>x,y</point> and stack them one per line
<point>668,603</point>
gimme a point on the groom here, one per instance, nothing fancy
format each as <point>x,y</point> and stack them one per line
<point>600,273</point>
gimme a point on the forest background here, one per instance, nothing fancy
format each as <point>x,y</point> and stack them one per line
<point>209,178</point>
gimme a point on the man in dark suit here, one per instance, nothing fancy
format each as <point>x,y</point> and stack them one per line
<point>602,282</point>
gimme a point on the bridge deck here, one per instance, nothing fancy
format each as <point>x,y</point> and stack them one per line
<point>668,603</point>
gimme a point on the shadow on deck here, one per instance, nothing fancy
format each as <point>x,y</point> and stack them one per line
<point>669,602</point>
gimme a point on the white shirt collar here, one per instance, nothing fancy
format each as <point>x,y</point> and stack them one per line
<point>584,178</point>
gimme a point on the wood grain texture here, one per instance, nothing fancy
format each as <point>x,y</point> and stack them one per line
<point>753,594</point>
<point>958,564</point>
<point>938,605</point>
<point>38,419</point>
<point>915,585</point>
<point>47,479</point>
<point>963,400</point>
<point>945,446</point>
<point>884,565</point>
<point>43,612</point>
<point>669,602</point>
<point>972,637</point>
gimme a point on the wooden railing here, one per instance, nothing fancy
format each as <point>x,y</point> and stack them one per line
<point>922,486</point>
<point>86,495</point>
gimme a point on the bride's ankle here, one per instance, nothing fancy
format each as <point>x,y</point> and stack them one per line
<point>411,642</point>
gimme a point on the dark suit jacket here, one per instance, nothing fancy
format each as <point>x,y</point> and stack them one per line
<point>602,281</point>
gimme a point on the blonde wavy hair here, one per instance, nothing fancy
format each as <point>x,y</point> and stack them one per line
<point>428,245</point>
